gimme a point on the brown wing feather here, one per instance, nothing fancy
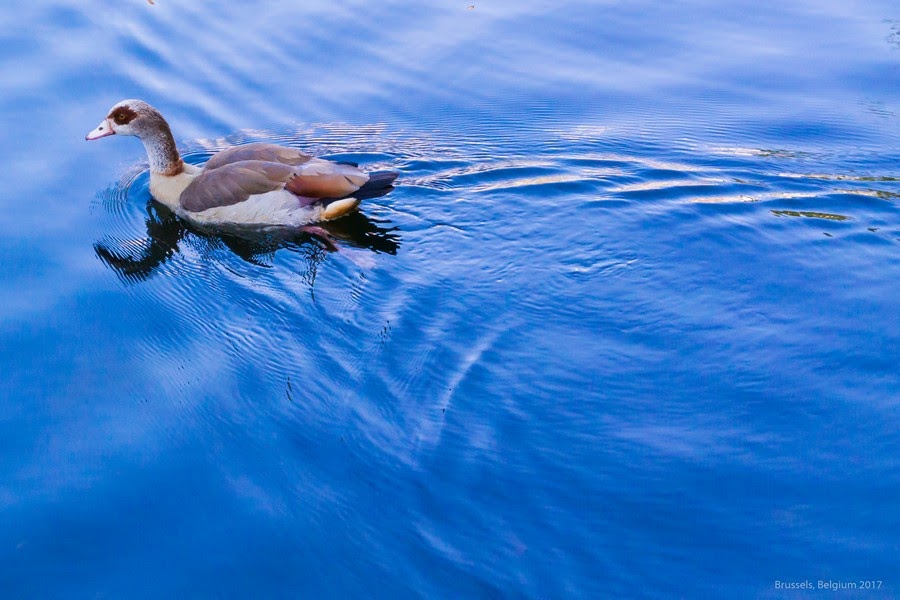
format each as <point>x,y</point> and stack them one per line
<point>233,183</point>
<point>319,178</point>
<point>257,151</point>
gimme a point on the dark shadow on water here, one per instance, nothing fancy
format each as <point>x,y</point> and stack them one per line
<point>135,261</point>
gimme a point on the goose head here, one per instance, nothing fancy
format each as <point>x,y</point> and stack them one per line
<point>137,118</point>
<point>129,117</point>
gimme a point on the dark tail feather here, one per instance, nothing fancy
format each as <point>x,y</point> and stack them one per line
<point>379,180</point>
<point>378,184</point>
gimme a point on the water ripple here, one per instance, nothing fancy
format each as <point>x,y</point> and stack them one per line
<point>636,250</point>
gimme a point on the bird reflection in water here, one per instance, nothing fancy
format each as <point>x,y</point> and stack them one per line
<point>137,260</point>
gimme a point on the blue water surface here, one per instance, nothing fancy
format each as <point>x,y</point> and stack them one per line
<point>627,326</point>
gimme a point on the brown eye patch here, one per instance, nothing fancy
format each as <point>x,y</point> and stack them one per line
<point>122,115</point>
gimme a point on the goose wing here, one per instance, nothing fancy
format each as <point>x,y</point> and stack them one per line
<point>236,182</point>
<point>257,151</point>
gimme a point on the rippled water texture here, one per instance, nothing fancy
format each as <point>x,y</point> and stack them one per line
<point>626,327</point>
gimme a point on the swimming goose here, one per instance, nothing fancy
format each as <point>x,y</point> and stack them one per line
<point>254,184</point>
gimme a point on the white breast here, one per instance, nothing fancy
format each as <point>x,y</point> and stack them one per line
<point>167,188</point>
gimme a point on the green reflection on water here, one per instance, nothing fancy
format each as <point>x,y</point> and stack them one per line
<point>810,214</point>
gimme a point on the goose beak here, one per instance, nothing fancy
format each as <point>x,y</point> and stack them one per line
<point>103,129</point>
